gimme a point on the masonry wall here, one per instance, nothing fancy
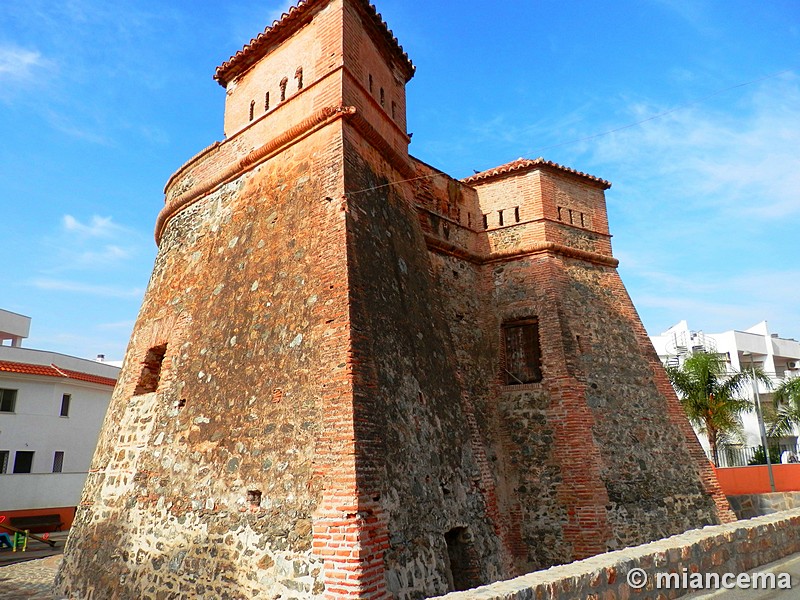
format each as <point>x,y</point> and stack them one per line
<point>731,548</point>
<point>308,59</point>
<point>573,457</point>
<point>207,486</point>
<point>313,402</point>
<point>421,454</point>
<point>375,83</point>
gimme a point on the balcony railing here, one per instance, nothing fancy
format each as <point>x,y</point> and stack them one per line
<point>732,456</point>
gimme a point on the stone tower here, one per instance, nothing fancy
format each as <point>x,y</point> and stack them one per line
<point>355,376</point>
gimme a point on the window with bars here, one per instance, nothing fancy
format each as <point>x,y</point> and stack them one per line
<point>4,454</point>
<point>58,461</point>
<point>523,357</point>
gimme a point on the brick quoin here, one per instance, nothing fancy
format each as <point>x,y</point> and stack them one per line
<point>317,398</point>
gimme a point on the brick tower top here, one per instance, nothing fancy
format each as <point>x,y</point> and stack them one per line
<point>321,60</point>
<point>318,44</point>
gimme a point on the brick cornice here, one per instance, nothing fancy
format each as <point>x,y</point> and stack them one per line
<point>435,244</point>
<point>297,17</point>
<point>401,163</point>
<point>319,119</point>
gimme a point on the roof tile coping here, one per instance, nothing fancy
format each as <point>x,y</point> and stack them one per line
<point>7,366</point>
<point>289,22</point>
<point>526,164</point>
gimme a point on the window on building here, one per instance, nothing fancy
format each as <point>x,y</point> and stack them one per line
<point>4,454</point>
<point>266,102</point>
<point>252,109</point>
<point>65,398</point>
<point>523,363</point>
<point>151,370</point>
<point>23,461</point>
<point>8,400</point>
<point>58,461</point>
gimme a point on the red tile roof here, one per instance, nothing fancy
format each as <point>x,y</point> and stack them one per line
<point>290,21</point>
<point>53,371</point>
<point>525,164</point>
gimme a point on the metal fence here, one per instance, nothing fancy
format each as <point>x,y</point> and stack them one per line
<point>742,456</point>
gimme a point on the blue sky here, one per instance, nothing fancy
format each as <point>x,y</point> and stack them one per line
<point>101,101</point>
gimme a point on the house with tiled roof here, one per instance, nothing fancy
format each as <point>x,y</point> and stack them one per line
<point>51,408</point>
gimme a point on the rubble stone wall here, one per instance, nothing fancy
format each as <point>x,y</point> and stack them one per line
<point>730,548</point>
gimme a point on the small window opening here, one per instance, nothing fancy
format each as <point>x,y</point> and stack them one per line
<point>370,84</point>
<point>252,109</point>
<point>4,454</point>
<point>394,109</point>
<point>462,558</point>
<point>284,83</point>
<point>569,210</point>
<point>254,498</point>
<point>486,221</point>
<point>151,370</point>
<point>516,214</point>
<point>560,217</point>
<point>58,462</point>
<point>299,76</point>
<point>523,362</point>
<point>383,98</point>
<point>500,217</point>
<point>469,219</point>
<point>65,399</point>
<point>266,102</point>
<point>23,461</point>
<point>583,220</point>
<point>8,400</point>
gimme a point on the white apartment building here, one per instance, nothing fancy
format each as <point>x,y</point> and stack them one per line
<point>778,357</point>
<point>51,409</point>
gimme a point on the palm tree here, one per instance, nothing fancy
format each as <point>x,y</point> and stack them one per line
<point>712,397</point>
<point>787,408</point>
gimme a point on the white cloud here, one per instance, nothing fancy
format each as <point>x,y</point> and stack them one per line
<point>20,69</point>
<point>703,204</point>
<point>123,325</point>
<point>18,63</point>
<point>741,163</point>
<point>97,227</point>
<point>97,244</point>
<point>90,289</point>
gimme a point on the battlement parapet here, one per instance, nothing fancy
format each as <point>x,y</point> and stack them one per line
<point>524,207</point>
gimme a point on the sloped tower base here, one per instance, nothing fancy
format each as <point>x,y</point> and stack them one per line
<point>354,376</point>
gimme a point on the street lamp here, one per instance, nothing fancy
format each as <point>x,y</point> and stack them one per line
<point>759,414</point>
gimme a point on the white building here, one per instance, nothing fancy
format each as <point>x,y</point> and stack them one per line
<point>778,357</point>
<point>51,409</point>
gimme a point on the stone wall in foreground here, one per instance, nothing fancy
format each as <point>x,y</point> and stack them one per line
<point>747,506</point>
<point>731,548</point>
